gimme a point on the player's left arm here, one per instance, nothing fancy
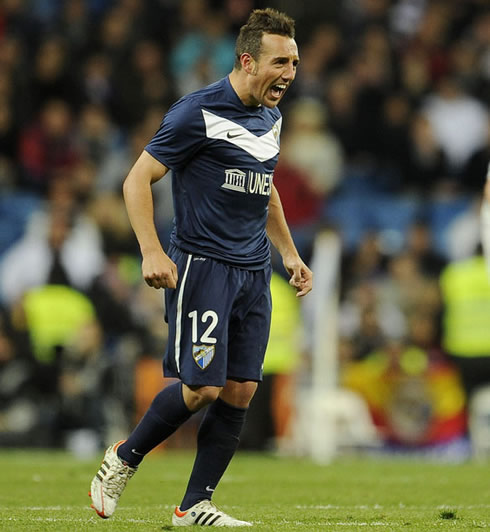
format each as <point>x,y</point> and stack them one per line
<point>280,236</point>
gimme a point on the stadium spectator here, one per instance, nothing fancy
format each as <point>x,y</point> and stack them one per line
<point>414,395</point>
<point>341,98</point>
<point>146,84</point>
<point>405,287</point>
<point>9,132</point>
<point>394,143</point>
<point>473,175</point>
<point>48,146</point>
<point>63,244</point>
<point>205,51</point>
<point>465,332</point>
<point>51,78</point>
<point>73,24</point>
<point>310,169</point>
<point>415,79</point>
<point>65,340</point>
<point>96,80</point>
<point>358,15</point>
<point>311,147</point>
<point>429,40</point>
<point>321,55</point>
<point>102,144</point>
<point>421,246</point>
<point>21,400</point>
<point>462,234</point>
<point>115,38</point>
<point>459,122</point>
<point>367,263</point>
<point>427,165</point>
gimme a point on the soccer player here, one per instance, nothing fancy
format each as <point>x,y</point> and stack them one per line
<point>222,144</point>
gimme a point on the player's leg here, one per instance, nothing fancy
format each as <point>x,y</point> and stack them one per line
<point>218,436</point>
<point>175,403</point>
<point>217,440</point>
<point>170,409</point>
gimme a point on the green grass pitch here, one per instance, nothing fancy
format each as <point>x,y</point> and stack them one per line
<point>47,491</point>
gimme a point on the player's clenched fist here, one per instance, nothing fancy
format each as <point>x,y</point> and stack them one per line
<point>159,271</point>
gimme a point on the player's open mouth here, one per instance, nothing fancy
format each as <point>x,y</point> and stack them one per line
<point>278,90</point>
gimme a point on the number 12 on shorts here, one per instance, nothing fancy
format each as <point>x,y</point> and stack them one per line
<point>206,337</point>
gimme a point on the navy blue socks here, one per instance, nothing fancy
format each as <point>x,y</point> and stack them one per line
<point>217,441</point>
<point>166,413</point>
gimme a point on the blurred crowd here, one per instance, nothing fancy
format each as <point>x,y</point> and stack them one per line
<point>386,141</point>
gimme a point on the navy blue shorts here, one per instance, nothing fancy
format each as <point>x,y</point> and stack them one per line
<point>219,320</point>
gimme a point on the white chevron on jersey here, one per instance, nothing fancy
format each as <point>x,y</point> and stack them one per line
<point>262,148</point>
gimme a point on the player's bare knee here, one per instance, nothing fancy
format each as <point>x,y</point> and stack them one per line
<point>197,397</point>
<point>238,393</point>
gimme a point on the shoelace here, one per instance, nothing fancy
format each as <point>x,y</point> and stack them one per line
<point>117,478</point>
<point>206,504</point>
<point>209,506</point>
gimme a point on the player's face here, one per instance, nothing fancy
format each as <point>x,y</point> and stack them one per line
<point>275,70</point>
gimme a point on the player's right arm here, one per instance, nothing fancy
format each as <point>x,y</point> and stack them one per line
<point>159,271</point>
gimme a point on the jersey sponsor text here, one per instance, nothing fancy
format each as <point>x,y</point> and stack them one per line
<point>249,183</point>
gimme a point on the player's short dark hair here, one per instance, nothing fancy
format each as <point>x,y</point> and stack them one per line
<point>259,22</point>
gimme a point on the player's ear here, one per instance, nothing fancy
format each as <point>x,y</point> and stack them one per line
<point>248,64</point>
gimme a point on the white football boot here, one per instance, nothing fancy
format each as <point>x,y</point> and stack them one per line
<point>205,513</point>
<point>109,482</point>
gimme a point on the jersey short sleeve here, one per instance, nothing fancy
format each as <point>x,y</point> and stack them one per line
<point>180,135</point>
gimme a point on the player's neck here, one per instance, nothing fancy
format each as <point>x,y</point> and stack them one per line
<point>238,80</point>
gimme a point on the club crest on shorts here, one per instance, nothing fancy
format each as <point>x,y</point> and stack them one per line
<point>203,355</point>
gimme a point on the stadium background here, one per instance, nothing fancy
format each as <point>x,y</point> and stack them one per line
<point>386,141</point>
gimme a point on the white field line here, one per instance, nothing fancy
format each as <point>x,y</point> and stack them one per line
<point>84,507</point>
<point>299,507</point>
<point>392,525</point>
<point>389,507</point>
<point>68,519</point>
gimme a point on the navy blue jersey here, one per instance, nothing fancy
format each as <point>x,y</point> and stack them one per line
<point>222,155</point>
